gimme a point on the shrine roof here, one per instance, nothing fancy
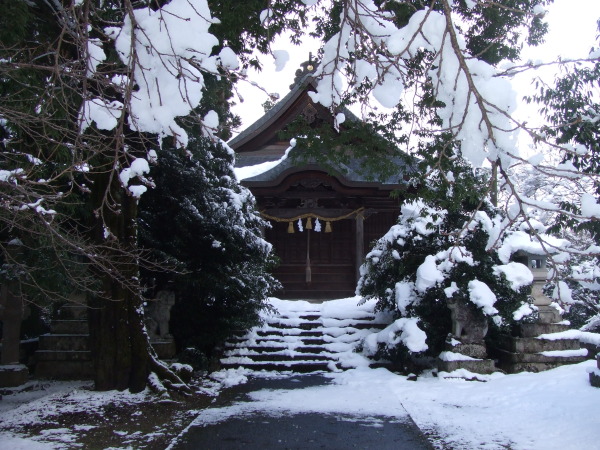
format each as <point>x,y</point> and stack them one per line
<point>272,114</point>
<point>349,173</point>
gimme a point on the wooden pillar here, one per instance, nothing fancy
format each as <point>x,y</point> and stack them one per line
<point>359,237</point>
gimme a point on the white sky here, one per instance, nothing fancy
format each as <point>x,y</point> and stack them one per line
<point>572,33</point>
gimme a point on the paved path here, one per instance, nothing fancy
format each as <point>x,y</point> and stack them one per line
<point>253,428</point>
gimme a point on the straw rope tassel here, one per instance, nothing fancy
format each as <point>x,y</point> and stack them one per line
<point>308,224</point>
<point>308,269</point>
<point>290,227</point>
<point>327,227</point>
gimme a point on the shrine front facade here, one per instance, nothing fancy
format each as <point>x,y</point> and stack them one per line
<point>322,224</point>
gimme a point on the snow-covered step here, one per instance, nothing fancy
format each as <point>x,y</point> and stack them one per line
<point>554,347</point>
<point>320,337</point>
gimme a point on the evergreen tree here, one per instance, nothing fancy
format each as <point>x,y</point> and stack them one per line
<point>441,248</point>
<point>203,223</point>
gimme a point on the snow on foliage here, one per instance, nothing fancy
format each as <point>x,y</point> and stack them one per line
<point>589,207</point>
<point>460,81</point>
<point>419,263</point>
<point>405,331</point>
<point>281,58</point>
<point>138,168</point>
<point>104,113</point>
<point>523,241</point>
<point>517,274</point>
<point>428,274</point>
<point>167,71</point>
<point>524,310</point>
<point>482,296</point>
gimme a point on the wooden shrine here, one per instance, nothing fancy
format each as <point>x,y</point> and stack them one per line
<point>322,224</point>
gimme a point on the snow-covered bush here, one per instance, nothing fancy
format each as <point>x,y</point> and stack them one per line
<point>433,254</point>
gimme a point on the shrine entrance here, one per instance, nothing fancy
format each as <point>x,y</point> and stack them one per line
<point>321,229</point>
<point>315,264</point>
<point>293,193</point>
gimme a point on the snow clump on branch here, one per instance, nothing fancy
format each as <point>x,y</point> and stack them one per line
<point>477,101</point>
<point>168,49</point>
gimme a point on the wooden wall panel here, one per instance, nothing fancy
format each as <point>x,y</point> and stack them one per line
<point>331,260</point>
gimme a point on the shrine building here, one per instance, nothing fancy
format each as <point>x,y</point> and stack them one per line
<point>323,222</point>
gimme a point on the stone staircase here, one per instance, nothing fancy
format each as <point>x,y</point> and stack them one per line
<point>305,338</point>
<point>538,347</point>
<point>64,352</point>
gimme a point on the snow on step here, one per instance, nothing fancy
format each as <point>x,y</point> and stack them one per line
<point>305,337</point>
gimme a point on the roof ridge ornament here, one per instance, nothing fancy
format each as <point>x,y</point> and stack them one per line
<point>306,68</point>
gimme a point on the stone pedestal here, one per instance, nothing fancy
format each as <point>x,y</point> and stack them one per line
<point>467,356</point>
<point>546,312</point>
<point>64,353</point>
<point>157,317</point>
<point>12,375</point>
<point>465,346</point>
<point>164,348</point>
<point>595,375</point>
<point>528,352</point>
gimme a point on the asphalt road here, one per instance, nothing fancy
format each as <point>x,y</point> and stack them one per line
<point>262,430</point>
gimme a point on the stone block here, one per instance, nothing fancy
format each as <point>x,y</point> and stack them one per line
<point>535,345</point>
<point>529,367</point>
<point>65,370</point>
<point>592,349</point>
<point>165,349</point>
<point>535,329</point>
<point>69,327</point>
<point>539,358</point>
<point>512,362</point>
<point>64,355</point>
<point>482,366</point>
<point>548,314</point>
<point>73,311</point>
<point>473,350</point>
<point>595,380</point>
<point>64,342</point>
<point>12,375</point>
<point>595,375</point>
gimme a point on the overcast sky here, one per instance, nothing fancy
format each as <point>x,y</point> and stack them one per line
<point>572,33</point>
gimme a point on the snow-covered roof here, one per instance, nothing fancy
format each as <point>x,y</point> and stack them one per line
<point>272,114</point>
<point>265,167</point>
<point>350,172</point>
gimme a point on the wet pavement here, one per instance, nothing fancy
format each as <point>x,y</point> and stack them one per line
<point>255,428</point>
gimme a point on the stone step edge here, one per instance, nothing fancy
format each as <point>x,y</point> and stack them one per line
<point>516,358</point>
<point>299,368</point>
<point>277,363</point>
<point>318,325</point>
<point>262,332</point>
<point>277,356</point>
<point>255,350</point>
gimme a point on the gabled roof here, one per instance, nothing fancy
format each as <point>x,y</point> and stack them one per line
<point>273,114</point>
<point>255,137</point>
<point>349,174</point>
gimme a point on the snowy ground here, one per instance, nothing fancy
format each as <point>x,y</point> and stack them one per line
<point>557,409</point>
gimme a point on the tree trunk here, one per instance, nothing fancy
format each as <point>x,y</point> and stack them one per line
<point>119,343</point>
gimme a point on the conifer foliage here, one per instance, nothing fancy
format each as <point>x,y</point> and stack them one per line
<point>441,248</point>
<point>200,220</point>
